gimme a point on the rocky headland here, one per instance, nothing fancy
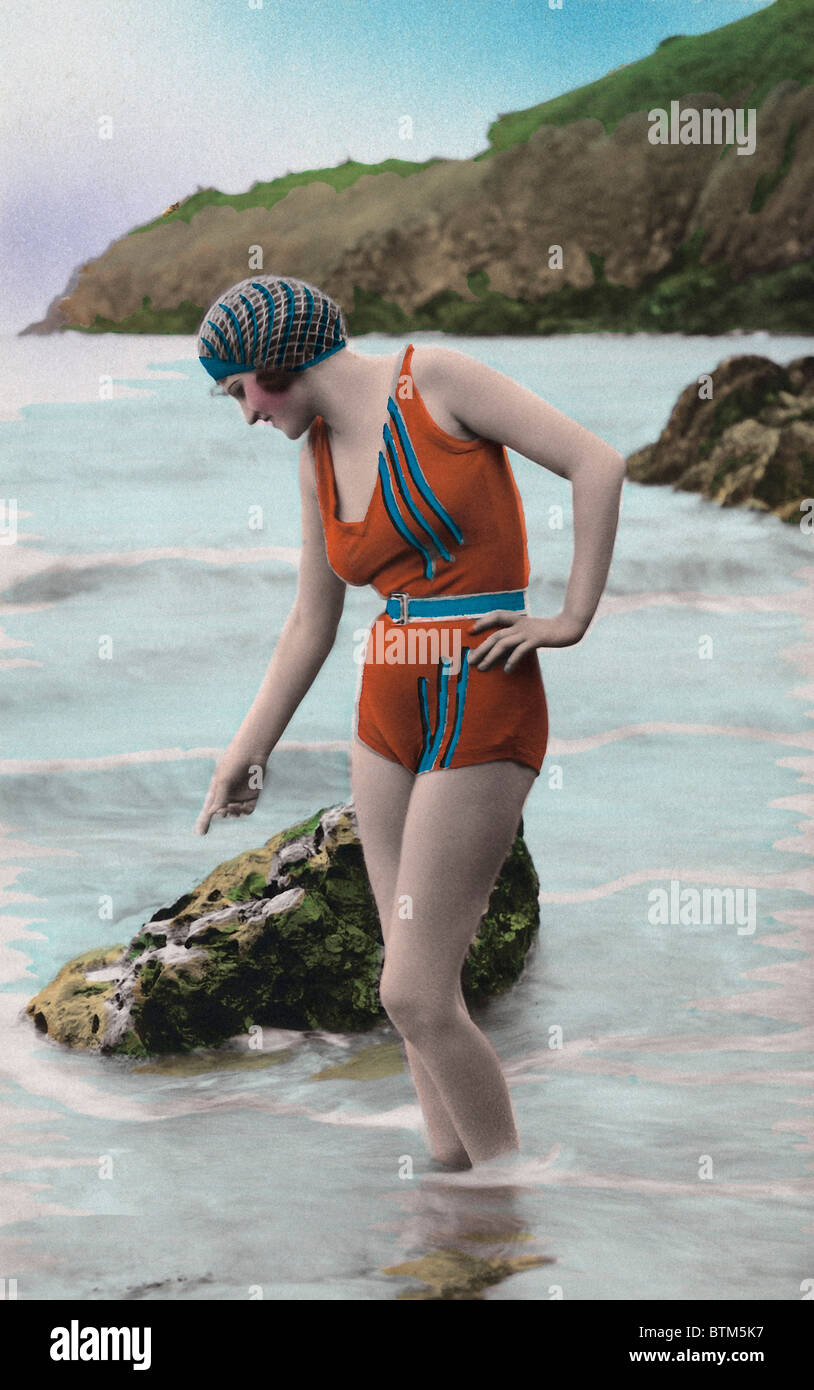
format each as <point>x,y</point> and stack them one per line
<point>573,218</point>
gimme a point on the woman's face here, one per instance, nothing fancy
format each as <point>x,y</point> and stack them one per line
<point>273,398</point>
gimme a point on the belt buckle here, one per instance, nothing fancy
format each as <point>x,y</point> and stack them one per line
<point>403,600</point>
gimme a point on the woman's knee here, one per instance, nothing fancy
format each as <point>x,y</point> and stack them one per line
<point>419,1012</point>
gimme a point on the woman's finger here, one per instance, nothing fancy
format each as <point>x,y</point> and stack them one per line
<point>485,646</point>
<point>204,815</point>
<point>499,617</point>
<point>492,645</point>
<point>215,806</point>
<point>517,655</point>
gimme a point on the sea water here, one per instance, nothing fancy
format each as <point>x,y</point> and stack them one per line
<point>660,1070</point>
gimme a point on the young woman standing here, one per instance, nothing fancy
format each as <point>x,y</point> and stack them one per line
<point>405,486</point>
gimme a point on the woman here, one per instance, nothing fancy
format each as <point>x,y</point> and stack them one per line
<point>404,486</point>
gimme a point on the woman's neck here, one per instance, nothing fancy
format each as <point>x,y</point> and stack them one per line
<point>342,396</point>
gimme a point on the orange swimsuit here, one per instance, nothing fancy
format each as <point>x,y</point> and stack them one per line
<point>446,519</point>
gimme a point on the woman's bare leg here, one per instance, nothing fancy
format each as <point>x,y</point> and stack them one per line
<point>459,828</point>
<point>381,792</point>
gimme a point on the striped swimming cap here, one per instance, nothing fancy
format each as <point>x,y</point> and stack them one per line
<point>270,321</point>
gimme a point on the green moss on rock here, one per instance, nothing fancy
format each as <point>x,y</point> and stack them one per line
<point>305,953</point>
<point>71,1008</point>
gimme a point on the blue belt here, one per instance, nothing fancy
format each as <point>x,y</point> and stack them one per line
<point>403,609</point>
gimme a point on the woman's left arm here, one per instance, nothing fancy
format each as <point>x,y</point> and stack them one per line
<point>495,407</point>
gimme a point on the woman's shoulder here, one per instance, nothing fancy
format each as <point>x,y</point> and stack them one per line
<point>431,364</point>
<point>435,371</point>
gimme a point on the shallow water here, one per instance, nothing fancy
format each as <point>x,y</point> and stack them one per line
<point>674,1121</point>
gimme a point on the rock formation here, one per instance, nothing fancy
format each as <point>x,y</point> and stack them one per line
<point>287,936</point>
<point>742,437</point>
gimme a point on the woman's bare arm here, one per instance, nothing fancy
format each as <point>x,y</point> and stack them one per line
<point>308,634</point>
<point>305,641</point>
<point>493,406</point>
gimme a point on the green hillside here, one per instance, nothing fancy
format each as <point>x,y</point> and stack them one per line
<point>265,195</point>
<point>741,62</point>
<point>750,56</point>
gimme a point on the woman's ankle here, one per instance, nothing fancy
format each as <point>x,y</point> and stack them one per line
<point>453,1158</point>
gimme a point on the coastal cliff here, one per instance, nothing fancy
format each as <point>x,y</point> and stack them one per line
<point>572,219</point>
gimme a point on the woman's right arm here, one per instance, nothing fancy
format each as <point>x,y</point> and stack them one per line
<point>307,637</point>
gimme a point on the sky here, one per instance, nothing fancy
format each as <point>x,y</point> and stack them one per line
<point>224,93</point>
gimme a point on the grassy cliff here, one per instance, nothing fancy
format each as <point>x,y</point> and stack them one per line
<point>671,238</point>
<point>741,61</point>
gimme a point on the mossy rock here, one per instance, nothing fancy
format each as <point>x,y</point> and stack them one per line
<point>67,1010</point>
<point>744,438</point>
<point>284,936</point>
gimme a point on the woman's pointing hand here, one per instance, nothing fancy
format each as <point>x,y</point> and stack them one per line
<point>234,789</point>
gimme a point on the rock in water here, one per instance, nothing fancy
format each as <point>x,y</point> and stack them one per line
<point>750,444</point>
<point>287,936</point>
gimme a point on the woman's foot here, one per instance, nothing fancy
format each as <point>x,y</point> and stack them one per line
<point>514,1169</point>
<point>457,1160</point>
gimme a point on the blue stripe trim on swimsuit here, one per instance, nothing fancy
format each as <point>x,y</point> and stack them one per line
<point>402,482</point>
<point>417,475</point>
<point>395,516</point>
<point>425,719</point>
<point>460,697</point>
<point>442,684</point>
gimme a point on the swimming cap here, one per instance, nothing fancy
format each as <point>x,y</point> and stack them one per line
<point>270,321</point>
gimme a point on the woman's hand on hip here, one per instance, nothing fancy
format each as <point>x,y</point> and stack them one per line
<point>234,789</point>
<point>520,634</point>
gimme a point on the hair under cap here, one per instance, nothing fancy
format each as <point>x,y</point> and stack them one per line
<point>270,321</point>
